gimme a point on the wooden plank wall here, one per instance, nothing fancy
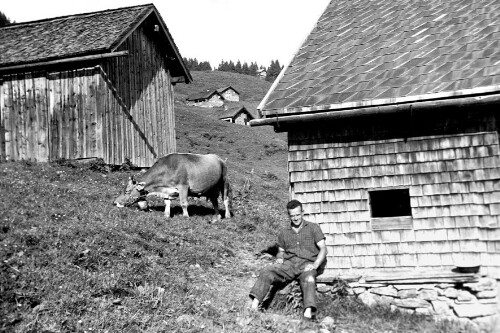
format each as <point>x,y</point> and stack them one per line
<point>454,184</point>
<point>2,122</point>
<point>23,117</point>
<point>139,88</point>
<point>122,110</point>
<point>72,115</point>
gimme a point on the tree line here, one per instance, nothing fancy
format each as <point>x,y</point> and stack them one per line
<point>252,69</point>
<point>4,20</point>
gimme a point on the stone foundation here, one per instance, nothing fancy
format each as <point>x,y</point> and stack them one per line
<point>467,298</point>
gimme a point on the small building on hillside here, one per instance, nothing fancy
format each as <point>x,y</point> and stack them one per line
<point>236,114</point>
<point>229,94</point>
<point>393,137</point>
<point>89,85</point>
<point>261,73</point>
<point>206,99</point>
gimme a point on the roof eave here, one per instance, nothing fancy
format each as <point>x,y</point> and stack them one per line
<point>79,57</point>
<point>276,119</point>
<point>485,90</point>
<point>187,75</point>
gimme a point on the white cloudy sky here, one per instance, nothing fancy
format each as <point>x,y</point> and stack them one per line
<point>245,30</point>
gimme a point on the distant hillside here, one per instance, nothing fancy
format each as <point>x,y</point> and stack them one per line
<point>252,89</point>
<point>247,149</point>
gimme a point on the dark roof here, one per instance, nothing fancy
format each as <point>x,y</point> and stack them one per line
<point>205,94</point>
<point>364,53</point>
<point>221,90</point>
<point>233,108</point>
<point>231,113</point>
<point>75,35</point>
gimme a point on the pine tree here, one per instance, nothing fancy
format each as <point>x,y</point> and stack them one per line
<point>252,70</point>
<point>4,20</point>
<point>245,69</point>
<point>193,64</point>
<point>273,71</point>
<point>237,67</point>
<point>221,66</point>
<point>205,66</point>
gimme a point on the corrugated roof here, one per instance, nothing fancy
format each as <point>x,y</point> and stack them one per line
<point>378,52</point>
<point>74,35</point>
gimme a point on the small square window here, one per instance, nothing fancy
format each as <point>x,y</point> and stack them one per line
<point>390,203</point>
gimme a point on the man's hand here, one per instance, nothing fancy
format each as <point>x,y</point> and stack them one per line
<point>309,267</point>
<point>279,260</point>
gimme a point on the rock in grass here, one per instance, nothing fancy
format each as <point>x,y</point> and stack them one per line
<point>243,321</point>
<point>327,322</point>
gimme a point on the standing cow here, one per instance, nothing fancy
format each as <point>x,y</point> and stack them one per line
<point>180,175</point>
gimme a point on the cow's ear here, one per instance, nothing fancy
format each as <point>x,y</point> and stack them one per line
<point>140,186</point>
<point>132,180</point>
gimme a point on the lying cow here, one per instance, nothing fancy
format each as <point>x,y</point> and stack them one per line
<point>180,175</point>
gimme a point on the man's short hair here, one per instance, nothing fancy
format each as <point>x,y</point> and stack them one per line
<point>292,204</point>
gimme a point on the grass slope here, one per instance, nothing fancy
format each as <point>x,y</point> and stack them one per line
<point>250,88</point>
<point>256,156</point>
<point>72,262</point>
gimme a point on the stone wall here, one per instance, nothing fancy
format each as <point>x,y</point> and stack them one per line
<point>472,301</point>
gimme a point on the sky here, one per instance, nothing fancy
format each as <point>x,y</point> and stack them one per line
<point>208,30</point>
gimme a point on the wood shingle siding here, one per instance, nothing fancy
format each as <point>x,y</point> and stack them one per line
<point>453,181</point>
<point>393,126</point>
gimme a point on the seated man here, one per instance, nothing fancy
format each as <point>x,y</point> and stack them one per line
<point>302,254</point>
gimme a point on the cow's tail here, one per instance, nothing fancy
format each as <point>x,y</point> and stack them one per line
<point>226,190</point>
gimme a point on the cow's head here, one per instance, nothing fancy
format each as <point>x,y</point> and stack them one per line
<point>134,191</point>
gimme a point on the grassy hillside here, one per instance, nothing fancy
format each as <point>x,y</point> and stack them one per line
<point>72,262</point>
<point>256,156</point>
<point>251,88</point>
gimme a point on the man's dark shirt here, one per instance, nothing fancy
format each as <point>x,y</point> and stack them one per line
<point>301,244</point>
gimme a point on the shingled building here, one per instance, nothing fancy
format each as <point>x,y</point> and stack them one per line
<point>89,85</point>
<point>391,109</point>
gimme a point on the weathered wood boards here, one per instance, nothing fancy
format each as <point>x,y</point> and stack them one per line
<point>23,117</point>
<point>453,178</point>
<point>122,109</point>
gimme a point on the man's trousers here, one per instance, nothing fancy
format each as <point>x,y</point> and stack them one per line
<point>283,273</point>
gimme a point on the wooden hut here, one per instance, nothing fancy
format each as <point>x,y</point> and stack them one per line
<point>89,85</point>
<point>236,114</point>
<point>206,99</point>
<point>392,115</point>
<point>229,94</point>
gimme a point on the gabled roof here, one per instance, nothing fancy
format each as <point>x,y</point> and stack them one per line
<point>78,35</point>
<point>232,108</point>
<point>231,113</point>
<point>221,90</point>
<point>205,94</point>
<point>385,52</point>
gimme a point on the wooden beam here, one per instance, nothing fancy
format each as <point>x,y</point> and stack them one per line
<point>65,60</point>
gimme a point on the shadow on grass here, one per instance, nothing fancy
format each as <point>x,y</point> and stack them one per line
<point>193,210</point>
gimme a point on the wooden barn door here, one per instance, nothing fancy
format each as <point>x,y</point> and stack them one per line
<point>24,117</point>
<point>72,114</point>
